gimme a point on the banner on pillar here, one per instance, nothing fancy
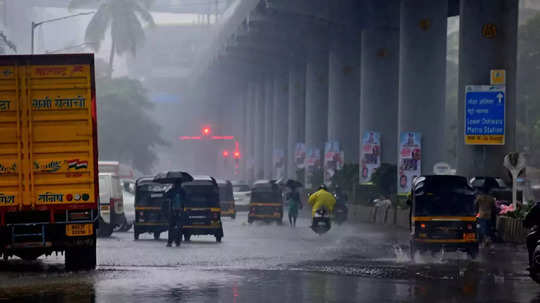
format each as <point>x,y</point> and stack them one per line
<point>313,163</point>
<point>300,155</point>
<point>333,160</point>
<point>409,164</point>
<point>279,163</point>
<point>370,156</point>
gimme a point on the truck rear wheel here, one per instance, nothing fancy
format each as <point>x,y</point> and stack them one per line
<point>105,229</point>
<point>81,258</point>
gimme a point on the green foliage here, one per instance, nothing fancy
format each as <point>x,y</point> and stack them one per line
<point>347,177</point>
<point>300,174</point>
<point>317,177</point>
<point>126,132</point>
<point>123,19</point>
<point>385,179</point>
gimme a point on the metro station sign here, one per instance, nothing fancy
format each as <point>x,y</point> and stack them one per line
<point>485,114</point>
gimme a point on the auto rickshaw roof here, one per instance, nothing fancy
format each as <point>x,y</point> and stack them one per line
<point>223,182</point>
<point>144,180</point>
<point>173,177</point>
<point>436,180</point>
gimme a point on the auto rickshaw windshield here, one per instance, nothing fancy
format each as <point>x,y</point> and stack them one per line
<point>444,199</point>
<point>266,196</point>
<point>201,196</point>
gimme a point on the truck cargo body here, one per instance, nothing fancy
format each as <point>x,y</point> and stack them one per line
<point>48,157</point>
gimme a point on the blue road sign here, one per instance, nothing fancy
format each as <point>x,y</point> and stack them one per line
<point>484,114</point>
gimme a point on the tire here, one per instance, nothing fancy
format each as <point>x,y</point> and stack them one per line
<point>187,237</point>
<point>105,230</point>
<point>473,252</point>
<point>135,236</point>
<point>233,216</point>
<point>218,238</point>
<point>413,249</point>
<point>29,255</point>
<point>81,258</point>
<point>250,221</point>
<point>156,235</point>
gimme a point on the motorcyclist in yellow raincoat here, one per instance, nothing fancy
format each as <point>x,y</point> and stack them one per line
<point>321,198</point>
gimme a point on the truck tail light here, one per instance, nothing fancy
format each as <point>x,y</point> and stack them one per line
<point>469,226</point>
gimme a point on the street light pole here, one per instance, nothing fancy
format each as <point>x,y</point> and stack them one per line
<point>37,24</point>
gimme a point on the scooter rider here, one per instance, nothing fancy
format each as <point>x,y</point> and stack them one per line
<point>321,199</point>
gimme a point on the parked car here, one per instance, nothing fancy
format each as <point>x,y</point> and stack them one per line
<point>242,195</point>
<point>111,204</point>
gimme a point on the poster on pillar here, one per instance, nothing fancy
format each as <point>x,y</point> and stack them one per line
<point>300,155</point>
<point>370,156</point>
<point>279,163</point>
<point>409,164</point>
<point>333,160</point>
<point>313,165</point>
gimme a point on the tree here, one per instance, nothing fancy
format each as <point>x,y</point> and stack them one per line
<point>126,132</point>
<point>6,43</point>
<point>124,19</point>
<point>385,179</point>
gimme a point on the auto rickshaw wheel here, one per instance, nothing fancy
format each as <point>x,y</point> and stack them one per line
<point>136,236</point>
<point>250,221</point>
<point>218,238</point>
<point>187,237</point>
<point>156,235</point>
<point>412,247</point>
<point>473,252</point>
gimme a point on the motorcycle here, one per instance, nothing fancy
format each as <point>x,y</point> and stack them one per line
<point>340,213</point>
<point>321,221</point>
<point>534,256</point>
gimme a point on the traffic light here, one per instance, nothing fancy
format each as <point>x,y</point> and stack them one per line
<point>237,155</point>
<point>225,153</point>
<point>206,131</point>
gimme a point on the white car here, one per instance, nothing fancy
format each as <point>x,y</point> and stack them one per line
<point>111,204</point>
<point>242,196</point>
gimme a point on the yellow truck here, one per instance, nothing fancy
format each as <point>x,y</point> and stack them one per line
<point>48,158</point>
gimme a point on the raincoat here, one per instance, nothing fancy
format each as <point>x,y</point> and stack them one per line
<point>321,198</point>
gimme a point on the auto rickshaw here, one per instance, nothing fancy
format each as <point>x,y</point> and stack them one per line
<point>266,202</point>
<point>150,202</point>
<point>202,211</point>
<point>226,199</point>
<point>443,215</point>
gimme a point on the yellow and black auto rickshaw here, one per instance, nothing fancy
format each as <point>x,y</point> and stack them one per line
<point>266,202</point>
<point>202,211</point>
<point>226,199</point>
<point>443,215</point>
<point>150,202</point>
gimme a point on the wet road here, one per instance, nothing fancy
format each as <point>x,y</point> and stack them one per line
<point>269,263</point>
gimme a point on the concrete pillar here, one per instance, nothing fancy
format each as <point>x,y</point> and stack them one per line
<point>269,124</point>
<point>249,147</point>
<point>259,129</point>
<point>281,120</point>
<point>422,75</point>
<point>379,88</point>
<point>488,40</point>
<point>344,95</point>
<point>297,112</point>
<point>316,101</point>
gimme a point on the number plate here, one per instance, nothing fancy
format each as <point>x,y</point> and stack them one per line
<point>76,230</point>
<point>469,236</point>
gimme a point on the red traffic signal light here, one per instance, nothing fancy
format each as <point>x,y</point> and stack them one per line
<point>206,131</point>
<point>237,155</point>
<point>225,153</point>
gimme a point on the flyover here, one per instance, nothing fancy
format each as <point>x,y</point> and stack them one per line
<point>314,71</point>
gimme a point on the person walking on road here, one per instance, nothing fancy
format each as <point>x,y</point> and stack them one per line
<point>176,209</point>
<point>293,199</point>
<point>486,208</point>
